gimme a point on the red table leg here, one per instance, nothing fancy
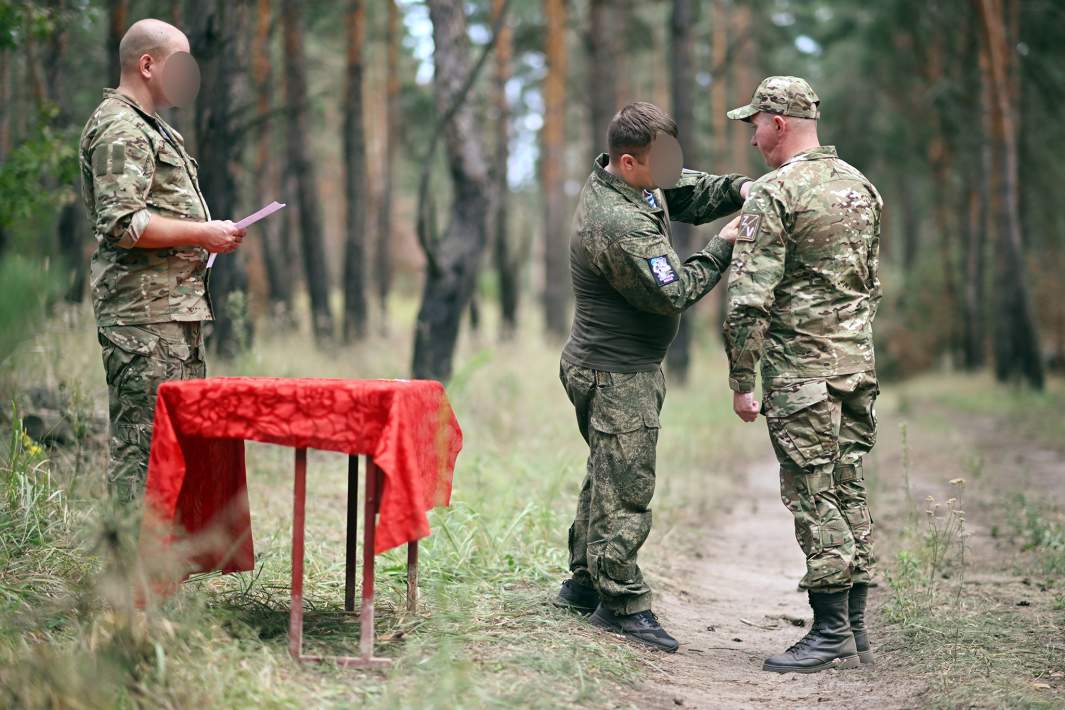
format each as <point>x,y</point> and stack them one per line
<point>374,481</point>
<point>350,552</point>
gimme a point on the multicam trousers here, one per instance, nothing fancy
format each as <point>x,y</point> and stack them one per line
<point>618,417</point>
<point>137,359</point>
<point>821,429</point>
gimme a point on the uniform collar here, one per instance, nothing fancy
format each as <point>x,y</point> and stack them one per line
<point>153,118</point>
<point>819,153</point>
<point>129,101</point>
<point>632,194</point>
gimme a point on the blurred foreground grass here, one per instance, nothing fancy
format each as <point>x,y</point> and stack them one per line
<point>484,634</point>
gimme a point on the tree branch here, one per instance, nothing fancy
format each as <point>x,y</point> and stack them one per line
<point>425,239</point>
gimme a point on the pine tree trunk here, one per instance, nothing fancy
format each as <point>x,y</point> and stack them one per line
<point>213,40</point>
<point>746,81</point>
<point>117,22</point>
<point>72,229</point>
<point>383,255</point>
<point>355,188</point>
<point>507,267</point>
<point>556,244</point>
<point>303,170</point>
<point>718,121</point>
<point>977,221</point>
<point>455,257</point>
<point>941,160</point>
<point>682,75</point>
<point>601,43</point>
<point>1017,352</point>
<point>278,280</point>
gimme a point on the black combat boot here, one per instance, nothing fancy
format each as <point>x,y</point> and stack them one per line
<point>577,597</point>
<point>830,643</point>
<point>856,604</point>
<point>642,626</point>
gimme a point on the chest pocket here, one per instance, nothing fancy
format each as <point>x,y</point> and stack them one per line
<point>173,188</point>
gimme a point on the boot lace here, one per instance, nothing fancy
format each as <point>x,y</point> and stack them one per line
<point>804,641</point>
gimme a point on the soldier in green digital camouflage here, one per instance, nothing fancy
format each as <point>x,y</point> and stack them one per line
<point>630,287</point>
<point>154,232</point>
<point>801,299</point>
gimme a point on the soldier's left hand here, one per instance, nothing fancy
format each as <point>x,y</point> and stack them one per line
<point>745,406</point>
<point>731,230</point>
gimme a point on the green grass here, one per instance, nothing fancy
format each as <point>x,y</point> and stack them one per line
<point>980,622</point>
<point>484,634</point>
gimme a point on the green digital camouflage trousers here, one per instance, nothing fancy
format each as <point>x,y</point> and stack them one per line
<point>618,417</point>
<point>821,429</point>
<point>137,359</point>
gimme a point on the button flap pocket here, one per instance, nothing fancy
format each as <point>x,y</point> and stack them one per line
<point>610,420</point>
<point>131,339</point>
<point>169,156</point>
<point>793,398</point>
<point>181,351</point>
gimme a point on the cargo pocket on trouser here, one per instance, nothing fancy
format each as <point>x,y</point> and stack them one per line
<point>623,439</point>
<point>851,492</point>
<point>800,423</point>
<point>799,417</point>
<point>195,367</point>
<point>131,362</point>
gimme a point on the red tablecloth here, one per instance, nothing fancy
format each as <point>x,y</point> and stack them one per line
<point>197,492</point>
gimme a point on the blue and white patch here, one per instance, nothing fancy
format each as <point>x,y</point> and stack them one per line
<point>662,270</point>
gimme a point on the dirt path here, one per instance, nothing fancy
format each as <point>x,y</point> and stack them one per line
<point>726,608</point>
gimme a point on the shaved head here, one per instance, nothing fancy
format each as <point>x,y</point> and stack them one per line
<point>153,37</point>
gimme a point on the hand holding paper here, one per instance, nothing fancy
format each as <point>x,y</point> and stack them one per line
<point>250,220</point>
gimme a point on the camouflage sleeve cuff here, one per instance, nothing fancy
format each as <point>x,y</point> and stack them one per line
<point>741,384</point>
<point>138,222</point>
<point>736,185</point>
<point>720,251</point>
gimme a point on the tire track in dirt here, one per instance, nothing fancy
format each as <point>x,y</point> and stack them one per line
<point>730,610</point>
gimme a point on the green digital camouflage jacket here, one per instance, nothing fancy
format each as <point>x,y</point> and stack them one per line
<point>134,165</point>
<point>804,286</point>
<point>629,283</point>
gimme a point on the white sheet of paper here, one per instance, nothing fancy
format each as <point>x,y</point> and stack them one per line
<point>250,220</point>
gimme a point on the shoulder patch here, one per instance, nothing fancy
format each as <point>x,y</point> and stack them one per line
<point>748,227</point>
<point>662,270</point>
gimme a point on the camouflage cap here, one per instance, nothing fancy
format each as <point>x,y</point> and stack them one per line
<point>783,95</point>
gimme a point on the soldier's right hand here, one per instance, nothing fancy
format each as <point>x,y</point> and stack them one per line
<point>745,406</point>
<point>731,230</point>
<point>220,236</point>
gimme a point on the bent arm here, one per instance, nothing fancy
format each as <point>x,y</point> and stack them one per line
<point>164,232</point>
<point>759,267</point>
<point>647,272</point>
<point>699,198</point>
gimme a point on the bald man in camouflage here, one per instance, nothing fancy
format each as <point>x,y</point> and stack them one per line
<point>801,300</point>
<point>154,232</point>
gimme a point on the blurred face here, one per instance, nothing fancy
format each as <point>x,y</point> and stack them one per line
<point>768,137</point>
<point>174,77</point>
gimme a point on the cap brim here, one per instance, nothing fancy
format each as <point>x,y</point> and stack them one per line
<point>742,113</point>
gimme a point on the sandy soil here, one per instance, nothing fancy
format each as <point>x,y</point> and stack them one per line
<point>736,605</point>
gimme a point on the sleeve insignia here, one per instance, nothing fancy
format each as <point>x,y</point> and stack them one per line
<point>662,270</point>
<point>748,227</point>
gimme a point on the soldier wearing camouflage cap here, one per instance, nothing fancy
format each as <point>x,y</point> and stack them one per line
<point>802,296</point>
<point>154,231</point>
<point>630,287</point>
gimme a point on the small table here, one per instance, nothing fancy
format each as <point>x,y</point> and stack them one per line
<point>196,490</point>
